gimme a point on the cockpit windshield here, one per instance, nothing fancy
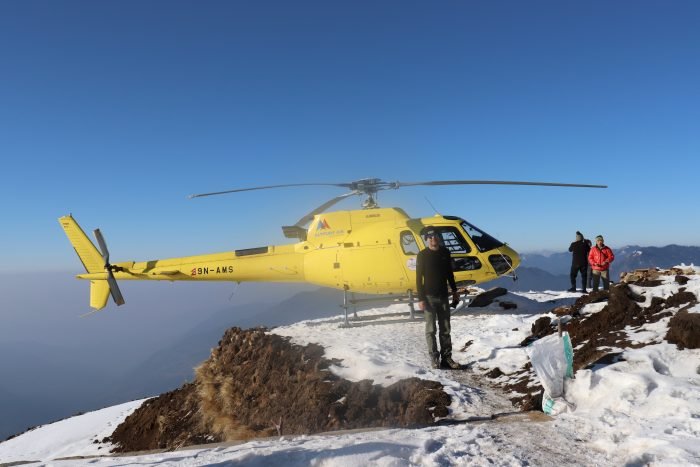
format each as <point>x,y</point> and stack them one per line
<point>481,239</point>
<point>451,238</point>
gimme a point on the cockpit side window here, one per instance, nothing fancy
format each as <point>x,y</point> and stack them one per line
<point>408,243</point>
<point>453,240</point>
<point>481,239</point>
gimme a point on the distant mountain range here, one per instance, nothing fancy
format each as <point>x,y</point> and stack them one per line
<point>531,279</point>
<point>551,272</point>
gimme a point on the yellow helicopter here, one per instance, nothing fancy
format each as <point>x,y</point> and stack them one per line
<point>370,250</point>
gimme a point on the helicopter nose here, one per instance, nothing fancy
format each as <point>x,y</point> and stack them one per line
<point>504,259</point>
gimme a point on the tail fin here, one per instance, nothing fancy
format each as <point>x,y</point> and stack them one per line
<point>91,258</point>
<point>99,294</point>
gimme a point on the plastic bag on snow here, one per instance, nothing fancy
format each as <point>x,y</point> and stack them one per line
<point>552,359</point>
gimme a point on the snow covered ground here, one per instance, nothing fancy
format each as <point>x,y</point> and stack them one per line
<point>644,410</point>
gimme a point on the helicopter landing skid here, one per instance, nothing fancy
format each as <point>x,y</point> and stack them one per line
<point>350,303</point>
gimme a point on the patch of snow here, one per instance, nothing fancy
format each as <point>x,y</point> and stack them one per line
<point>592,308</point>
<point>73,436</point>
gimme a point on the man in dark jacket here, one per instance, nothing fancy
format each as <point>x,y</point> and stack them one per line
<point>433,273</point>
<point>589,245</point>
<point>579,261</point>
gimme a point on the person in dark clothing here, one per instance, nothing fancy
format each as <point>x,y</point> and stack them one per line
<point>579,261</point>
<point>433,273</point>
<point>589,270</point>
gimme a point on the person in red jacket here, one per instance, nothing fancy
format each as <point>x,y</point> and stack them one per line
<point>600,258</point>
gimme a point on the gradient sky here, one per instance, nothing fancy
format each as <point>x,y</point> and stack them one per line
<point>116,111</point>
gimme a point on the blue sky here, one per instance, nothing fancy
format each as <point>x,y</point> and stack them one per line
<point>116,111</point>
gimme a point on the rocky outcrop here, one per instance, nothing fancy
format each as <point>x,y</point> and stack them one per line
<point>596,336</point>
<point>259,384</point>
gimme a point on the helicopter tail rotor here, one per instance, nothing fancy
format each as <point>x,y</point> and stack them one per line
<point>94,262</point>
<point>111,281</point>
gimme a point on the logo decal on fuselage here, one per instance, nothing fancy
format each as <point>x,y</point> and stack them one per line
<point>411,263</point>
<point>323,229</point>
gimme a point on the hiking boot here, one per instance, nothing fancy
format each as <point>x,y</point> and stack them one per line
<point>584,291</point>
<point>447,362</point>
<point>435,361</point>
<point>572,289</point>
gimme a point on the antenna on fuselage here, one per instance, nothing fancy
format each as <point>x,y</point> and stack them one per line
<point>431,205</point>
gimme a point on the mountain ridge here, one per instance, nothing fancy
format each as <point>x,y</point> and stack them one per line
<point>627,258</point>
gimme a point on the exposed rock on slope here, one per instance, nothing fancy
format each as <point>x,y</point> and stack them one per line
<point>600,337</point>
<point>684,330</point>
<point>259,384</point>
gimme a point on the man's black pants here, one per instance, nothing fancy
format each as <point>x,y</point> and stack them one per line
<point>575,269</point>
<point>437,309</point>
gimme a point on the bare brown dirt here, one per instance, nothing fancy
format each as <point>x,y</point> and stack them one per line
<point>258,384</point>
<point>684,330</point>
<point>169,421</point>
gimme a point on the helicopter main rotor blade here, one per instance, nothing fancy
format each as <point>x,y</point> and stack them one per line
<point>111,281</point>
<point>342,185</point>
<point>496,182</point>
<point>309,217</point>
<point>371,186</point>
